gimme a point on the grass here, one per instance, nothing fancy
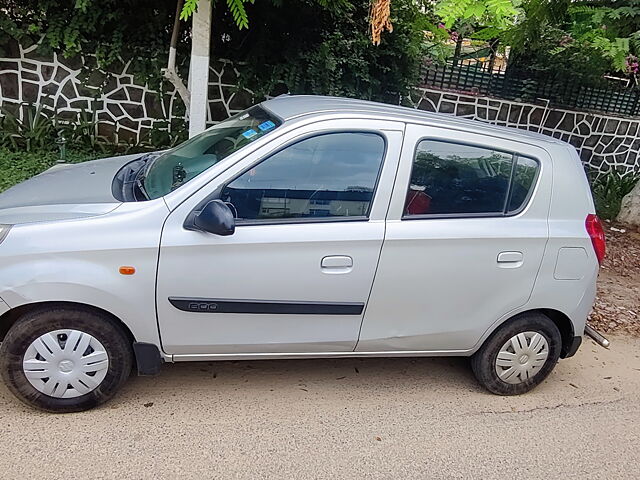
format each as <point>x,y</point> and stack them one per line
<point>15,167</point>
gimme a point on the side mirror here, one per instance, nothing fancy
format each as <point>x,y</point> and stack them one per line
<point>216,217</point>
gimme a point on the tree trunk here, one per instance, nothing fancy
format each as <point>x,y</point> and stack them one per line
<point>493,45</point>
<point>170,72</point>
<point>199,81</point>
<point>456,54</point>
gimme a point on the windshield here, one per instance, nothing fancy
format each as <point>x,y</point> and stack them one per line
<point>188,160</point>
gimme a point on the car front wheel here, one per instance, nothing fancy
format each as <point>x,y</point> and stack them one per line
<point>62,359</point>
<point>519,355</point>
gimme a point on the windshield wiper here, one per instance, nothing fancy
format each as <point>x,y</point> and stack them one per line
<point>140,185</point>
<point>149,159</point>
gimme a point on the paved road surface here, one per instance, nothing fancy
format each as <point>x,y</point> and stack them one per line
<point>360,418</point>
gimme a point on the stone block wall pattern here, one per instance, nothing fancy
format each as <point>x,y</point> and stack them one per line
<point>127,111</point>
<point>604,142</point>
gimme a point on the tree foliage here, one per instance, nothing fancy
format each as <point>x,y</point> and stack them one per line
<point>239,11</point>
<point>613,30</point>
<point>497,14</point>
<point>584,39</point>
<point>581,38</point>
<point>301,46</point>
<point>236,7</point>
<point>312,49</point>
<point>111,30</point>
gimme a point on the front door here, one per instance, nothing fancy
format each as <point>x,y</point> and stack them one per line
<point>296,275</point>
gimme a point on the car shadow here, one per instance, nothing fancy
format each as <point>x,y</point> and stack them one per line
<point>320,374</point>
<point>337,379</point>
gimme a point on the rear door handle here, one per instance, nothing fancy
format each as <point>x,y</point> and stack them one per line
<point>337,264</point>
<point>510,258</point>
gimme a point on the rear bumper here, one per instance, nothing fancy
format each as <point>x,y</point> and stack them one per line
<point>572,347</point>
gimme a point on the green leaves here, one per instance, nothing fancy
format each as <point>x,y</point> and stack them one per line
<point>236,8</point>
<point>452,11</point>
<point>487,33</point>
<point>603,29</point>
<point>36,131</point>
<point>494,13</point>
<point>608,191</point>
<point>188,9</point>
<point>82,5</point>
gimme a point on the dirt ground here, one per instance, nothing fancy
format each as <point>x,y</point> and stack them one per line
<point>377,418</point>
<point>358,418</point>
<point>617,307</point>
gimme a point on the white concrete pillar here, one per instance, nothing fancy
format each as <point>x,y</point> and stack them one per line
<point>199,67</point>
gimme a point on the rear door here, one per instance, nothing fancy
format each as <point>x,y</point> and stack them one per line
<point>466,233</point>
<point>296,275</point>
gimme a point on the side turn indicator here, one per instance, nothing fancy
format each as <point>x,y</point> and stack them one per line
<point>127,270</point>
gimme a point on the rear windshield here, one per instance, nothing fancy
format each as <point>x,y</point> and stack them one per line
<point>188,160</point>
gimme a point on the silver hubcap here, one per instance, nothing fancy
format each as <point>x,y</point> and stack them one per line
<point>65,363</point>
<point>522,357</point>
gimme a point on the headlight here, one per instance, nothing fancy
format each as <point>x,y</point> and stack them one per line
<point>4,231</point>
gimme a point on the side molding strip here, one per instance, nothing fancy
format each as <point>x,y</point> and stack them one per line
<point>212,305</point>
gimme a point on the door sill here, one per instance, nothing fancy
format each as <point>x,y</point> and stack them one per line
<point>282,356</point>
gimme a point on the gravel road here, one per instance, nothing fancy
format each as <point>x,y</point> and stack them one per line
<point>354,418</point>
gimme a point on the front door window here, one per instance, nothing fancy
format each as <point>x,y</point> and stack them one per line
<point>326,176</point>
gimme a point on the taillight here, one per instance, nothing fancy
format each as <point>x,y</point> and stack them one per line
<point>596,232</point>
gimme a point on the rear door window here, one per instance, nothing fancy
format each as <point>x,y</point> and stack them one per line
<point>524,177</point>
<point>453,179</point>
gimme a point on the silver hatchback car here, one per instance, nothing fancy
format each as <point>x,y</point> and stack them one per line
<point>303,227</point>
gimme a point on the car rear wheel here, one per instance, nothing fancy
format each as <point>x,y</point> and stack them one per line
<point>64,359</point>
<point>519,355</point>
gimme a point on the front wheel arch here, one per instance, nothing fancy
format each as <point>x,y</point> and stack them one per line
<point>9,318</point>
<point>44,370</point>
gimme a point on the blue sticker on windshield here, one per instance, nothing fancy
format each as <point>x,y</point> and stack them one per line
<point>250,133</point>
<point>268,125</point>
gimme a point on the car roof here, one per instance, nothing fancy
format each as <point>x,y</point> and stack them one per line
<point>289,107</point>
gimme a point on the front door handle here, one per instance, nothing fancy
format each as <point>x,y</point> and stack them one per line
<point>510,259</point>
<point>336,264</point>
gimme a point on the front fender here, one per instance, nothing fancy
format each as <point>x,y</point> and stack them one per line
<point>79,261</point>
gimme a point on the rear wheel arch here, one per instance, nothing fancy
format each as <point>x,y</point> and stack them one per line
<point>519,354</point>
<point>560,319</point>
<point>565,325</point>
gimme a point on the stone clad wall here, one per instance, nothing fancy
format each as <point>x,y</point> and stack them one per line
<point>603,141</point>
<point>127,111</point>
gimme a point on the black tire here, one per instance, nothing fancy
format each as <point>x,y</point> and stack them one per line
<point>39,322</point>
<point>483,362</point>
